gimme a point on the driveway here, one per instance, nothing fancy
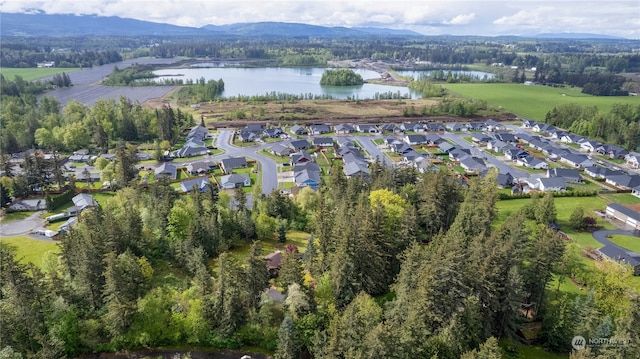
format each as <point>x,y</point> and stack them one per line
<point>372,148</point>
<point>23,226</point>
<point>601,236</point>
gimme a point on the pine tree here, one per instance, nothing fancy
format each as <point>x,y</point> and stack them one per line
<point>576,218</point>
<point>256,276</point>
<point>288,347</point>
<point>291,270</point>
<point>546,212</point>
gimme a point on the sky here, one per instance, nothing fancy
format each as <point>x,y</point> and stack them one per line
<point>430,17</point>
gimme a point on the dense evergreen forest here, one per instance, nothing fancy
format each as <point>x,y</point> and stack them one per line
<point>404,266</point>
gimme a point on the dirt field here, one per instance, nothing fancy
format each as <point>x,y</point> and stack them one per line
<point>224,113</point>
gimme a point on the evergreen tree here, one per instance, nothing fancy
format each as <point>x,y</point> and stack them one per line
<point>576,218</point>
<point>288,347</point>
<point>489,350</point>
<point>546,212</point>
<point>291,270</point>
<point>256,276</point>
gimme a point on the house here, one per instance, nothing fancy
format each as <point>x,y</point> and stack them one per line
<point>401,148</point>
<point>298,130</point>
<point>529,123</point>
<point>623,214</point>
<point>505,137</point>
<point>446,147</point>
<point>28,205</point>
<point>505,180</point>
<point>246,136</point>
<point>458,153</point>
<point>622,255</point>
<point>580,161</point>
<point>356,168</point>
<point>624,181</point>
<point>557,134</point>
<point>552,184</point>
<point>391,141</point>
<point>553,152</point>
<point>410,156</point>
<point>480,138</point>
<point>571,138</point>
<point>235,180</point>
<point>344,142</point>
<point>81,202</point>
<point>433,139</point>
<point>434,127</point>
<point>589,145</point>
<point>476,126</point>
<point>570,175</point>
<point>168,170</point>
<point>601,172</point>
<point>343,151</point>
<point>423,165</point>
<point>274,132</point>
<point>532,162</point>
<point>189,150</point>
<point>274,261</point>
<point>455,127</point>
<point>367,128</point>
<point>538,144</point>
<point>229,164</point>
<point>513,153</point>
<point>300,157</point>
<point>415,139</point>
<point>200,183</point>
<point>200,167</point>
<point>542,127</point>
<point>493,125</point>
<point>636,191</point>
<point>280,150</point>
<point>343,129</point>
<point>307,177</point>
<point>633,159</point>
<point>256,128</point>
<point>299,145</point>
<point>86,176</point>
<point>390,127</point>
<point>496,145</point>
<point>411,127</point>
<point>79,158</point>
<point>198,133</point>
<point>612,151</point>
<point>472,164</point>
<point>319,129</point>
<point>322,141</point>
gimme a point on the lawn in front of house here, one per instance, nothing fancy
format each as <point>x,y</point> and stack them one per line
<point>631,243</point>
<point>29,250</point>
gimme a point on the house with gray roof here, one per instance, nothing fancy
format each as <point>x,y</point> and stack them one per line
<point>390,127</point>
<point>235,180</point>
<point>280,150</point>
<point>356,168</point>
<point>168,170</point>
<point>229,164</point>
<point>455,127</point>
<point>433,139</point>
<point>446,147</point>
<point>322,141</point>
<point>552,184</point>
<point>601,172</point>
<point>200,167</point>
<point>633,159</point>
<point>415,139</point>
<point>532,162</point>
<point>344,129</point>
<point>298,130</point>
<point>319,129</point>
<point>570,175</point>
<point>624,181</point>
<point>200,183</point>
<point>622,255</point>
<point>577,160</point>
<point>81,202</point>
<point>299,145</point>
<point>307,177</point>
<point>458,153</point>
<point>472,164</point>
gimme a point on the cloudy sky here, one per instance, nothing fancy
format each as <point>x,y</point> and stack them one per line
<point>433,17</point>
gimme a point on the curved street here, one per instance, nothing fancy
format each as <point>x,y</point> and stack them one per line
<point>23,226</point>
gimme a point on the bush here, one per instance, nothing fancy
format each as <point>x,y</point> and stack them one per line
<point>55,202</point>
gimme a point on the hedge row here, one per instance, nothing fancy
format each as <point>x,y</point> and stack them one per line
<point>55,202</point>
<point>556,194</point>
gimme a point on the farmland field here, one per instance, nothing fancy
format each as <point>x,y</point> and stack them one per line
<point>535,101</point>
<point>30,74</point>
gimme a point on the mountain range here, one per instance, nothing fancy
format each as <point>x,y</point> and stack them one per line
<point>41,24</point>
<point>13,24</point>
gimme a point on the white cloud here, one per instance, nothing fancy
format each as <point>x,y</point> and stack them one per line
<point>461,19</point>
<point>491,17</point>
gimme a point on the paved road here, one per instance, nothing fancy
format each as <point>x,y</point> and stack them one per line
<point>372,148</point>
<point>268,166</point>
<point>22,226</point>
<point>86,89</point>
<point>500,165</point>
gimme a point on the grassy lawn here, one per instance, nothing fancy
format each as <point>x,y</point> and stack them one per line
<point>103,197</point>
<point>534,101</point>
<point>31,73</point>
<point>278,159</point>
<point>628,242</point>
<point>378,141</point>
<point>29,250</point>
<point>15,216</point>
<point>296,238</point>
<point>622,198</point>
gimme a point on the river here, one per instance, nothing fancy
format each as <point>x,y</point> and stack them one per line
<point>297,81</point>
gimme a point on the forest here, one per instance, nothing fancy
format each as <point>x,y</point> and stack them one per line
<point>423,273</point>
<point>341,77</point>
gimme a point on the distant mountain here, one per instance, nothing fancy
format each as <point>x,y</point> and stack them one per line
<point>575,35</point>
<point>40,24</point>
<point>13,24</point>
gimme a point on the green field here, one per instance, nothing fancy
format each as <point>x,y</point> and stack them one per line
<point>29,250</point>
<point>534,101</point>
<point>29,74</point>
<point>628,242</point>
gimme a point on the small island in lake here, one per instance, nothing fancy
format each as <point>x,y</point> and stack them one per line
<point>341,77</point>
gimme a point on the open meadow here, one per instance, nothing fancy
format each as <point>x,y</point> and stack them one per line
<point>534,101</point>
<point>31,73</point>
<point>29,250</point>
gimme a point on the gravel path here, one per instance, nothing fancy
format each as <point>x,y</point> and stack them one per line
<point>23,226</point>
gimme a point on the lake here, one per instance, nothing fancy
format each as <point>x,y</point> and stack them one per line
<point>480,75</point>
<point>296,81</point>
